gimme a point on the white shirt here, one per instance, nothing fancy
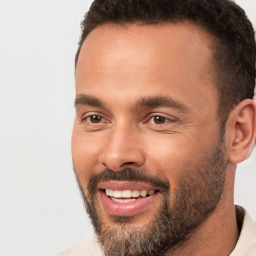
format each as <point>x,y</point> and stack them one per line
<point>246,244</point>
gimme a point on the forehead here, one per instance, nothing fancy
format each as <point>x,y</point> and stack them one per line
<point>146,59</point>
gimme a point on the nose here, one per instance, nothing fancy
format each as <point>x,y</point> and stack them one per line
<point>122,149</point>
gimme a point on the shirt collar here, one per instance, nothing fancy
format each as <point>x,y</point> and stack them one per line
<point>246,244</point>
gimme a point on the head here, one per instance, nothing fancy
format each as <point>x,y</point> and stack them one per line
<point>164,109</point>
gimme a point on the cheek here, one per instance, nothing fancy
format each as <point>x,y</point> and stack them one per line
<point>172,157</point>
<point>85,154</point>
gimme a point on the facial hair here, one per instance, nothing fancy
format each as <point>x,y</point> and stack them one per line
<point>196,197</point>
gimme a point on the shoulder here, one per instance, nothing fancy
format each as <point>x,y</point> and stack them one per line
<point>88,247</point>
<point>246,244</point>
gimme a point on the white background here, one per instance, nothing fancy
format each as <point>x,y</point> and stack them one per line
<point>41,212</point>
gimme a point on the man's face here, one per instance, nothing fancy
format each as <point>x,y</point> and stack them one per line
<point>146,143</point>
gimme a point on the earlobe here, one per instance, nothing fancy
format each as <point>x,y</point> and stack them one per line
<point>242,130</point>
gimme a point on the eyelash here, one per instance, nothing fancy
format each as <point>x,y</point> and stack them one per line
<point>84,119</point>
<point>162,118</point>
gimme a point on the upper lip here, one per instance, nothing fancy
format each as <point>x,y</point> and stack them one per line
<point>126,185</point>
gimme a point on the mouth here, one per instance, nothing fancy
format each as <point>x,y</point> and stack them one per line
<point>126,198</point>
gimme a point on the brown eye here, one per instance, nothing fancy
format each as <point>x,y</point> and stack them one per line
<point>95,119</point>
<point>159,120</point>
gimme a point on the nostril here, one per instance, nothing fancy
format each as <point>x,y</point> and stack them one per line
<point>127,163</point>
<point>123,164</point>
<point>104,164</point>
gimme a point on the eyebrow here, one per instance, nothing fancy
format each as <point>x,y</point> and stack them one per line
<point>83,99</point>
<point>161,101</point>
<point>144,102</point>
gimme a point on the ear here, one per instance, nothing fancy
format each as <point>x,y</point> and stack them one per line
<point>241,131</point>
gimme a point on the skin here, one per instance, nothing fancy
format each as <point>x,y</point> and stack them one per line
<point>120,65</point>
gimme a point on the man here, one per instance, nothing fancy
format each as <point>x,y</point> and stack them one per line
<point>164,113</point>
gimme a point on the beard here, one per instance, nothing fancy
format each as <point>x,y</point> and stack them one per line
<point>174,222</point>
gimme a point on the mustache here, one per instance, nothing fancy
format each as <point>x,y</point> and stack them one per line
<point>127,174</point>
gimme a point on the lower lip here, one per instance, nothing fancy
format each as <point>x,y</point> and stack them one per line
<point>126,209</point>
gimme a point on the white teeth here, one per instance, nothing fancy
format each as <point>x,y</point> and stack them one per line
<point>128,193</point>
<point>135,193</point>
<point>122,200</point>
<point>151,192</point>
<point>118,194</point>
<point>109,192</point>
<point>143,193</point>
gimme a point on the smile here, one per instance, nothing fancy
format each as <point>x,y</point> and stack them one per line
<point>126,198</point>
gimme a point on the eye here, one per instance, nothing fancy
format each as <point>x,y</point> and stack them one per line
<point>158,120</point>
<point>92,122</point>
<point>95,119</point>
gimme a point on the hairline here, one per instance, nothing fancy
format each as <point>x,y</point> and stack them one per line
<point>212,38</point>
